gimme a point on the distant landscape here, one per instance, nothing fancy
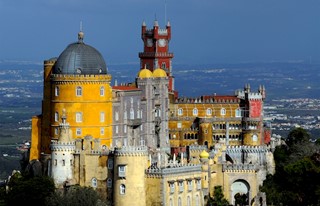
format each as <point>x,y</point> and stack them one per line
<point>21,89</point>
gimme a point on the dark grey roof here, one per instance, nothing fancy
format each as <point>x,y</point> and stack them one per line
<point>79,58</point>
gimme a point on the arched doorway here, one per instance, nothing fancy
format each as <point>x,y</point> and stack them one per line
<point>240,193</point>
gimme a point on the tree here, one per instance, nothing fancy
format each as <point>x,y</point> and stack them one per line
<point>218,198</point>
<point>31,191</point>
<point>75,195</point>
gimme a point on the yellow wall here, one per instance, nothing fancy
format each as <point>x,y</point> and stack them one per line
<point>35,138</point>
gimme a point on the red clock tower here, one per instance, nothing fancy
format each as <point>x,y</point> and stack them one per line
<point>156,50</point>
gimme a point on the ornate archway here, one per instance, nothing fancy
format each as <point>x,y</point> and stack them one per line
<point>240,192</point>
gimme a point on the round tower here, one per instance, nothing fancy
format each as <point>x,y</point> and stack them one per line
<point>62,159</point>
<point>130,164</point>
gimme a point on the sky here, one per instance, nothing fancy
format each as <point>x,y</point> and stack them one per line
<point>203,31</point>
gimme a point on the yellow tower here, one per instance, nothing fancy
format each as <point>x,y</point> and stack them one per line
<point>78,83</point>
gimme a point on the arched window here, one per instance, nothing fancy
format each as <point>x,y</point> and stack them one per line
<point>56,91</point>
<point>117,116</point>
<point>102,91</point>
<point>122,189</point>
<point>109,183</point>
<point>195,111</point>
<point>223,111</point>
<point>179,201</point>
<point>79,91</point>
<point>188,201</point>
<point>94,182</point>
<point>163,65</point>
<point>56,116</point>
<point>209,111</point>
<point>131,113</point>
<point>180,111</point>
<point>78,117</point>
<point>238,112</point>
<point>101,116</point>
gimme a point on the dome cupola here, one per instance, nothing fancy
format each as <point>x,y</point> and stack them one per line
<point>80,58</point>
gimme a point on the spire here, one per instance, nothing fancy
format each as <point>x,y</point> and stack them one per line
<point>80,34</point>
<point>168,24</point>
<point>144,23</point>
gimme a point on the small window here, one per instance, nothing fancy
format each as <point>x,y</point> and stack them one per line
<point>179,125</point>
<point>195,111</point>
<point>171,185</point>
<point>122,170</point>
<point>180,186</point>
<point>78,117</point>
<point>117,129</point>
<point>56,91</point>
<point>79,91</point>
<point>78,131</point>
<point>190,185</point>
<point>125,128</point>
<point>209,111</point>
<point>131,113</point>
<point>122,189</point>
<point>117,116</point>
<point>63,163</point>
<point>110,164</point>
<point>223,111</point>
<point>198,184</point>
<point>102,91</point>
<point>56,131</point>
<point>94,182</point>
<point>163,65</point>
<point>158,112</point>
<point>238,112</point>
<point>180,111</point>
<point>101,131</point>
<point>101,116</point>
<point>109,183</point>
<point>179,201</point>
<point>56,116</point>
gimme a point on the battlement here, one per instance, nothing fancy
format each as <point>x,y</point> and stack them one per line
<point>162,31</point>
<point>245,148</point>
<point>62,146</point>
<point>84,77</point>
<point>155,54</point>
<point>251,95</point>
<point>131,151</point>
<point>173,169</point>
<point>208,99</point>
<point>244,168</point>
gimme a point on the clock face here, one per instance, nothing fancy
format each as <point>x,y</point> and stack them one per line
<point>162,42</point>
<point>149,42</point>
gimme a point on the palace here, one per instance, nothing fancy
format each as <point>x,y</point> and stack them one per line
<point>140,139</point>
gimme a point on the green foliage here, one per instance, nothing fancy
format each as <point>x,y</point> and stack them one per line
<point>297,177</point>
<point>30,191</point>
<point>218,198</point>
<point>76,195</point>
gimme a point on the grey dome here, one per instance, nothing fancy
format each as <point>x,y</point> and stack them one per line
<point>79,58</point>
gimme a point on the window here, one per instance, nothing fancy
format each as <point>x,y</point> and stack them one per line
<point>78,117</point>
<point>158,112</point>
<point>223,111</point>
<point>71,163</point>
<point>179,125</point>
<point>56,131</point>
<point>238,112</point>
<point>198,184</point>
<point>63,162</point>
<point>190,185</point>
<point>117,129</point>
<point>171,185</point>
<point>109,183</point>
<point>56,116</point>
<point>180,111</point>
<point>138,114</point>
<point>101,116</point>
<point>110,164</point>
<point>179,201</point>
<point>195,111</point>
<point>188,201</point>
<point>78,131</point>
<point>197,200</point>
<point>125,115</point>
<point>102,91</point>
<point>101,131</point>
<point>94,182</point>
<point>56,91</point>
<point>131,113</point>
<point>122,170</point>
<point>122,189</point>
<point>55,162</point>
<point>79,91</point>
<point>117,116</point>
<point>163,65</point>
<point>209,111</point>
<point>125,128</point>
<point>180,186</point>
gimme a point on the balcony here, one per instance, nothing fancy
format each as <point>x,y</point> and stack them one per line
<point>134,122</point>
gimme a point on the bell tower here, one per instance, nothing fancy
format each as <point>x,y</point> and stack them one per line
<point>156,50</point>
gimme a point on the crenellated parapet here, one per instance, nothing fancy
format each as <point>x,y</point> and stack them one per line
<point>241,168</point>
<point>84,78</point>
<point>246,148</point>
<point>208,99</point>
<point>131,151</point>
<point>173,169</point>
<point>62,146</point>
